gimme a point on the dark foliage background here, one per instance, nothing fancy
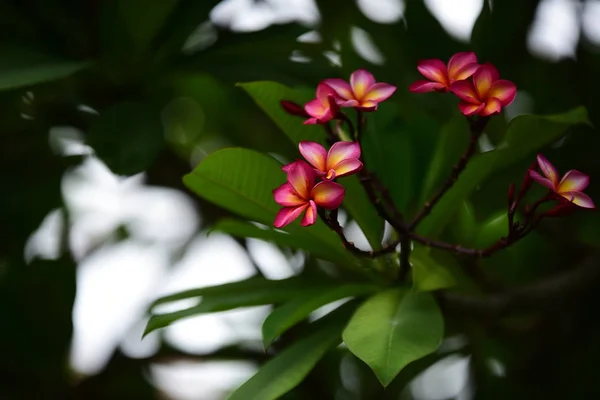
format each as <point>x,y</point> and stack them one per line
<point>125,60</point>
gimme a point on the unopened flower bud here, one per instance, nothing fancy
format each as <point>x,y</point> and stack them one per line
<point>293,109</point>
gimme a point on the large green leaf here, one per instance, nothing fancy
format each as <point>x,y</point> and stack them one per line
<point>248,230</point>
<point>242,181</point>
<point>525,135</point>
<point>290,367</point>
<point>268,95</point>
<point>250,292</point>
<point>22,66</point>
<point>295,310</point>
<point>428,273</point>
<point>394,328</point>
<point>127,137</point>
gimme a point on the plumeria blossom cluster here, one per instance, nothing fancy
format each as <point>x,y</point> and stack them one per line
<point>362,92</point>
<point>302,193</point>
<point>311,187</point>
<point>479,87</point>
<point>311,183</point>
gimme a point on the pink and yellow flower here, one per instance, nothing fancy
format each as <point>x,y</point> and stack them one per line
<point>324,108</point>
<point>342,158</point>
<point>486,94</point>
<point>569,187</point>
<point>300,195</point>
<point>461,66</point>
<point>362,92</point>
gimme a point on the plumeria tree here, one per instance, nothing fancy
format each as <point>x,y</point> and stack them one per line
<point>400,283</point>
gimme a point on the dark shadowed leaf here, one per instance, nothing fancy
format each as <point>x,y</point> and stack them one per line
<point>295,310</point>
<point>429,274</point>
<point>22,66</point>
<point>290,367</point>
<point>127,137</point>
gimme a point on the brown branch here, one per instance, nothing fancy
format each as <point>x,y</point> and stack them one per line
<point>476,128</point>
<point>332,222</point>
<point>502,243</point>
<point>532,296</point>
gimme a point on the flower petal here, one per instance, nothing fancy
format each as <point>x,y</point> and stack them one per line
<point>492,106</point>
<point>541,180</point>
<point>458,61</point>
<point>548,169</point>
<point>465,91</point>
<point>286,196</point>
<point>573,181</point>
<point>341,87</point>
<point>287,215</point>
<point>426,86</point>
<point>503,90</point>
<point>434,70</point>
<point>347,167</point>
<point>348,103</point>
<point>483,79</point>
<point>323,92</point>
<point>469,108</point>
<point>314,153</point>
<point>302,178</point>
<point>464,73</point>
<point>379,92</point>
<point>368,105</point>
<point>341,151</point>
<point>310,217</point>
<point>311,121</point>
<point>314,108</point>
<point>361,81</point>
<point>580,199</point>
<point>328,194</point>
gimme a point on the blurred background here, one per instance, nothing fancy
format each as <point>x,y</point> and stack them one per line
<point>106,104</point>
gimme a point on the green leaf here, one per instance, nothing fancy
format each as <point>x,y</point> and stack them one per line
<point>242,181</point>
<point>428,274</point>
<point>248,230</point>
<point>452,142</point>
<point>290,367</point>
<point>492,229</point>
<point>268,95</point>
<point>22,66</point>
<point>525,135</point>
<point>127,137</point>
<point>465,227</point>
<point>254,291</point>
<point>394,328</point>
<point>294,311</point>
<point>528,133</point>
<point>388,152</point>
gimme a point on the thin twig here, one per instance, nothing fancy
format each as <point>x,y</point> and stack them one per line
<point>476,127</point>
<point>546,292</point>
<point>332,222</point>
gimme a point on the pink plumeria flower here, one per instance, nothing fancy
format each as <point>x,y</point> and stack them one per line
<point>362,92</point>
<point>569,187</point>
<point>461,66</point>
<point>486,94</point>
<point>342,158</point>
<point>324,108</point>
<point>300,195</point>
